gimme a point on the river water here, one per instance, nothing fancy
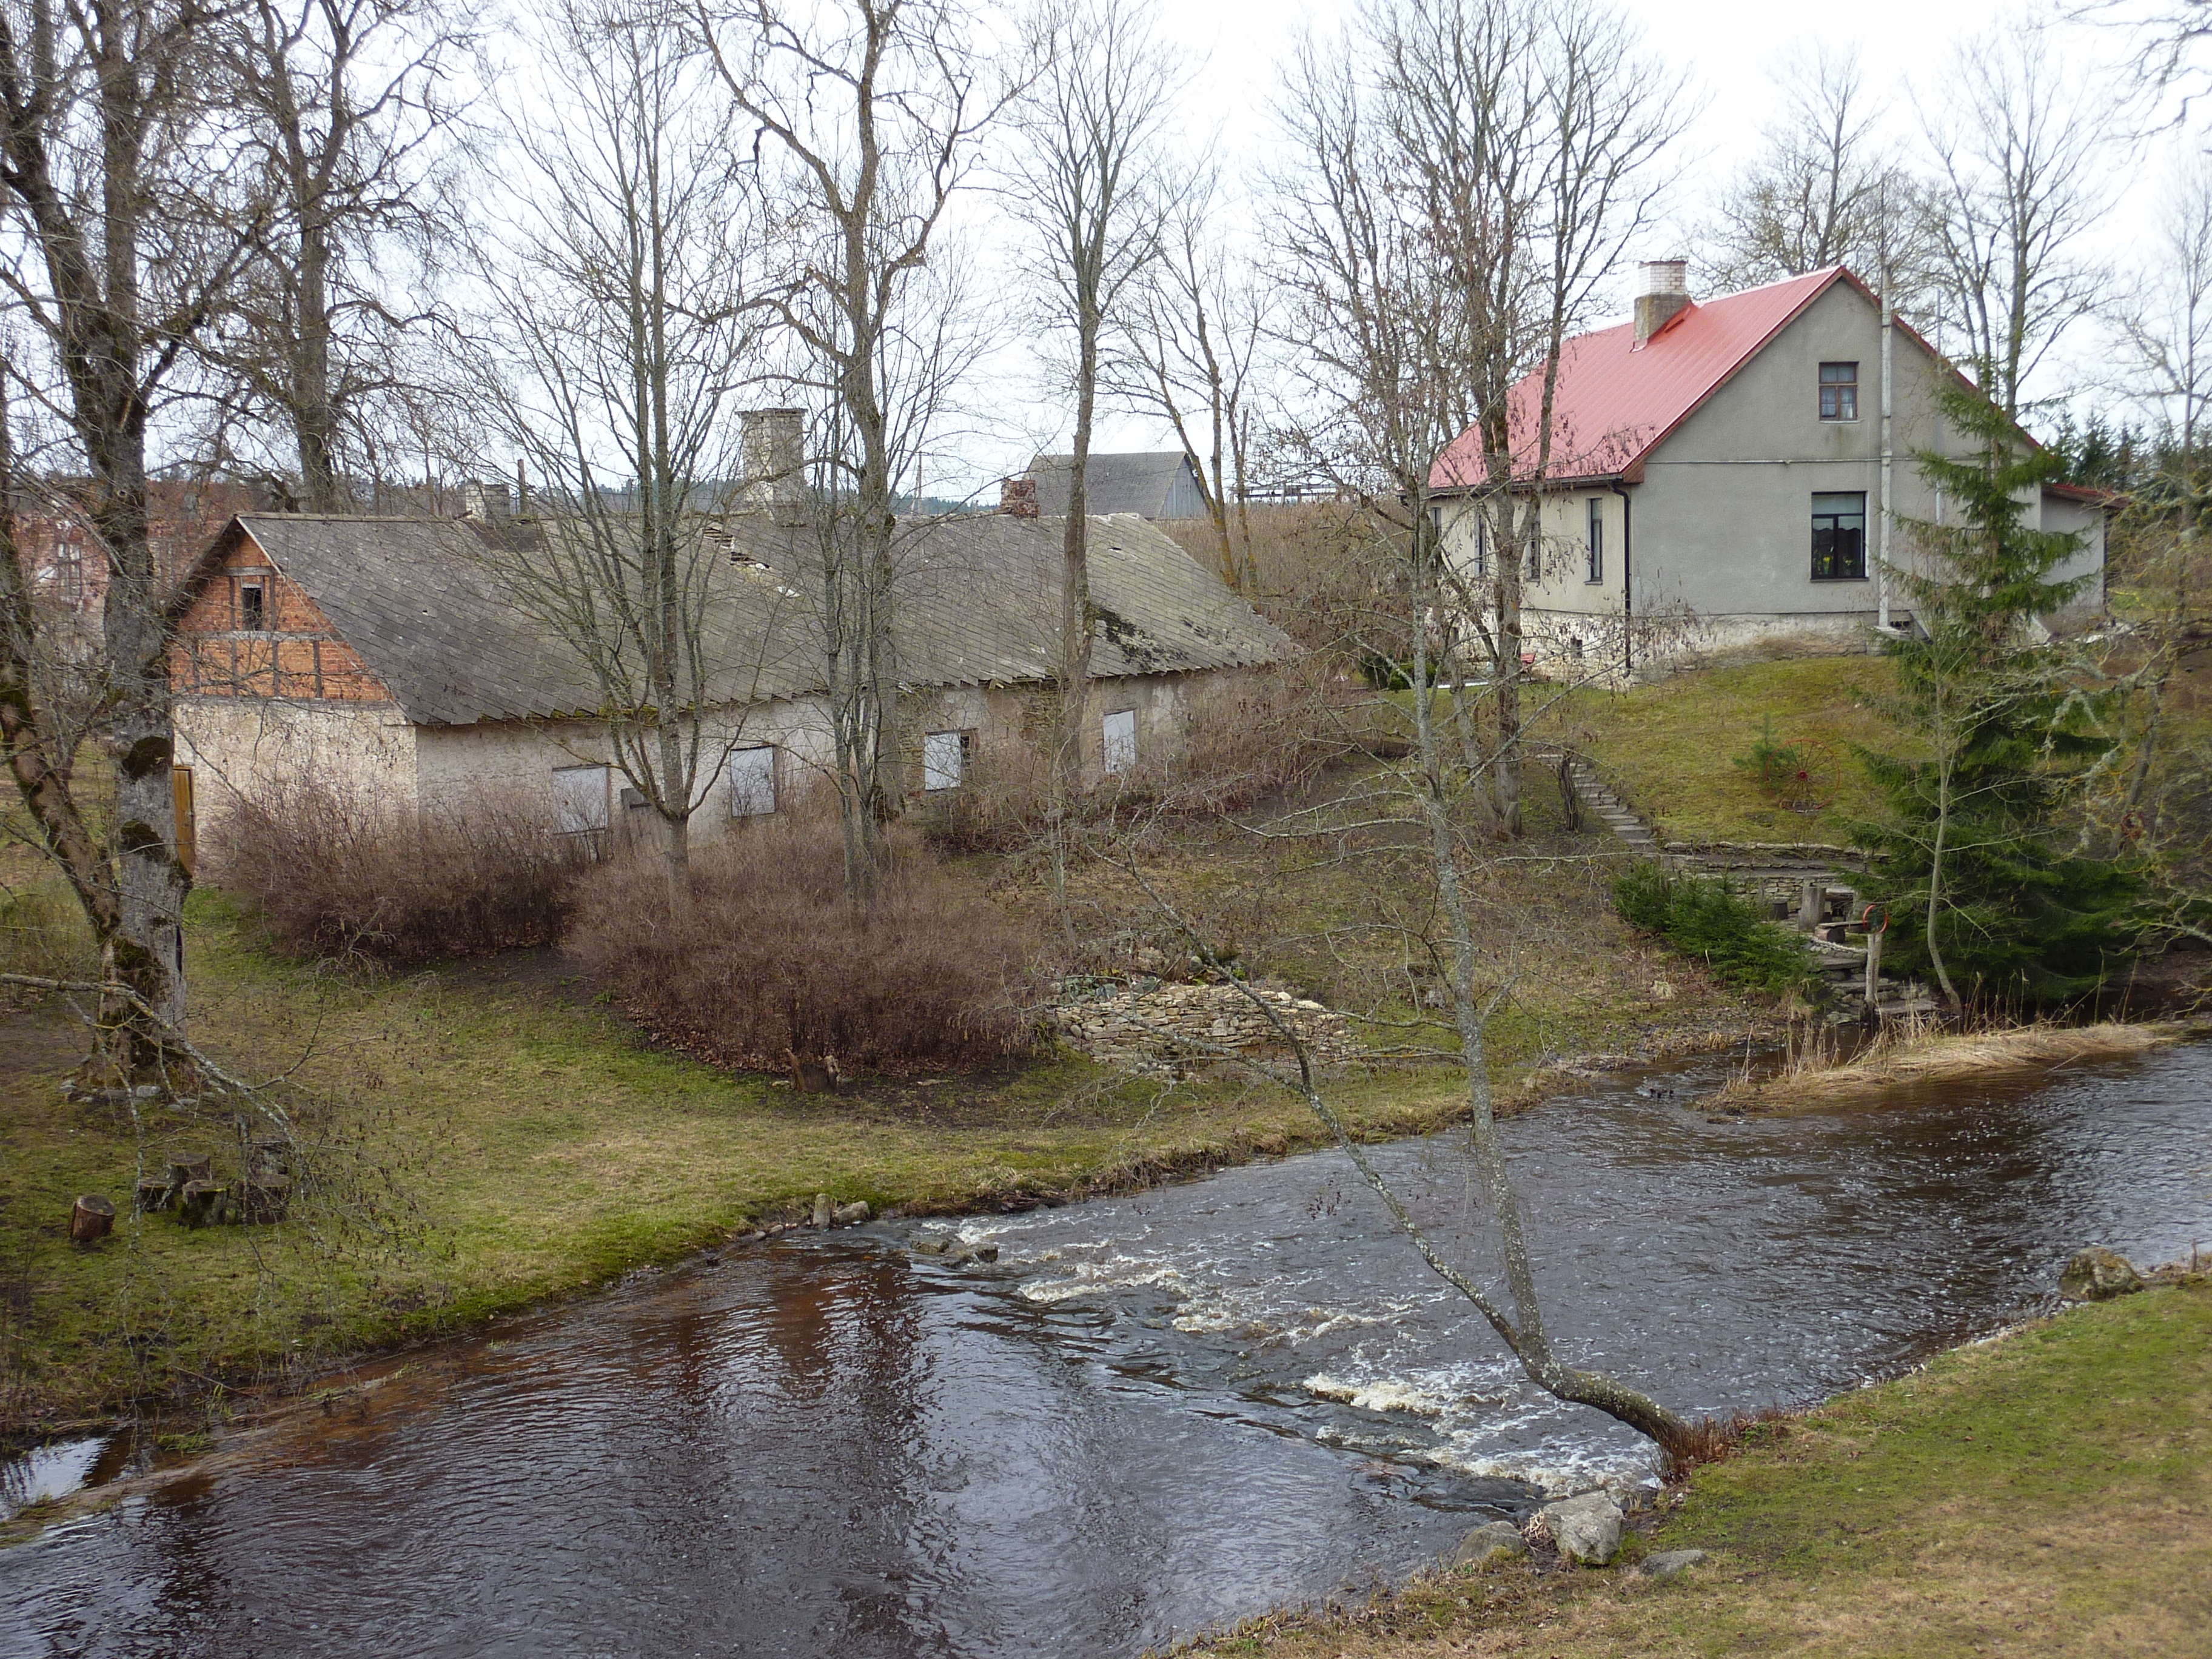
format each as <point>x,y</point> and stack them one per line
<point>1149,1416</point>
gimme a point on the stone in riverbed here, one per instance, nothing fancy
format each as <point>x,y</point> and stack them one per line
<point>853,1214</point>
<point>822,1209</point>
<point>1497,1540</point>
<point>1586,1528</point>
<point>2098,1274</point>
<point>1668,1563</point>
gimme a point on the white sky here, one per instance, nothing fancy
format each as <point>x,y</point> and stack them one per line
<point>1729,47</point>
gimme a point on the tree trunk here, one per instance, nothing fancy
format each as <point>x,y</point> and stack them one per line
<point>92,1218</point>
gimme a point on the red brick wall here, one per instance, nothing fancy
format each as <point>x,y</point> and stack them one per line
<point>294,654</point>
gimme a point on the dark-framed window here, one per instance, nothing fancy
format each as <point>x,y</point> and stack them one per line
<point>253,612</point>
<point>1596,539</point>
<point>1839,537</point>
<point>1839,392</point>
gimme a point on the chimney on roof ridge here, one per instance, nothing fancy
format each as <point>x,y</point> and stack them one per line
<point>775,459</point>
<point>1018,496</point>
<point>1662,293</point>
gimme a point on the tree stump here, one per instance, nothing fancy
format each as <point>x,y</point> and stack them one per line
<point>263,1198</point>
<point>154,1193</point>
<point>188,1167</point>
<point>271,1157</point>
<point>92,1218</point>
<point>200,1203</point>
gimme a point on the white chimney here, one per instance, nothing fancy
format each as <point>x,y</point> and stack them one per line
<point>775,459</point>
<point>1662,293</point>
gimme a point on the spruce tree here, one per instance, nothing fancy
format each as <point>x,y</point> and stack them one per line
<point>1983,891</point>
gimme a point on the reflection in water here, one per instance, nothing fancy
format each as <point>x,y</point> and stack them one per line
<point>1152,1414</point>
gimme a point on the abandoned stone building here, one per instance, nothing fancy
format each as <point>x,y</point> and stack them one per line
<point>388,659</point>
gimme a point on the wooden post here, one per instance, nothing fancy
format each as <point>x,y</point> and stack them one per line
<point>92,1218</point>
<point>1874,968</point>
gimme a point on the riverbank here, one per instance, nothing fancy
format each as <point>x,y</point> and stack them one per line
<point>1911,1055</point>
<point>493,1137</point>
<point>2048,1492</point>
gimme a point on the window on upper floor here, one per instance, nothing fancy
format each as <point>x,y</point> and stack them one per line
<point>1596,541</point>
<point>252,614</point>
<point>1839,392</point>
<point>1839,537</point>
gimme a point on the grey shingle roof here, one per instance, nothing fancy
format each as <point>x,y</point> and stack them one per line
<point>977,599</point>
<point>1149,484</point>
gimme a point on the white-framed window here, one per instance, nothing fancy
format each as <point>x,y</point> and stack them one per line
<point>1119,734</point>
<point>752,782</point>
<point>945,759</point>
<point>580,798</point>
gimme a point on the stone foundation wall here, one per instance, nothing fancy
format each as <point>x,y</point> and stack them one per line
<point>1163,1029</point>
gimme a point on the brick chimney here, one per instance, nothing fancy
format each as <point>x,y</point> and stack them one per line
<point>775,459</point>
<point>1018,496</point>
<point>1662,293</point>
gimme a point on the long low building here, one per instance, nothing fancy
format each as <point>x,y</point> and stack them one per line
<point>391,658</point>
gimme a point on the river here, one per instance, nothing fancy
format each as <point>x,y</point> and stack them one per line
<point>1149,1416</point>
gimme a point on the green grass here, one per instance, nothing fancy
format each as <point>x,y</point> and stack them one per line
<point>2049,1493</point>
<point>1671,747</point>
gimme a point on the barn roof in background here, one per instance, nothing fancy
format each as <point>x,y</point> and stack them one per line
<point>1142,483</point>
<point>427,604</point>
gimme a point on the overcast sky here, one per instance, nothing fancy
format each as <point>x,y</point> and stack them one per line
<point>1730,49</point>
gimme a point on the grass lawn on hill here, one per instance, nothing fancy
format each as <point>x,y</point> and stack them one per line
<point>1672,747</point>
<point>2048,1493</point>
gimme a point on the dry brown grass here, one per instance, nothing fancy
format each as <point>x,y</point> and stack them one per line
<point>1821,1076</point>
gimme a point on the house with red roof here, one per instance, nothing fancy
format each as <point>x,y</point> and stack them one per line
<point>1715,476</point>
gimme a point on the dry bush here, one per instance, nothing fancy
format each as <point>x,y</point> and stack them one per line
<point>331,875</point>
<point>774,961</point>
<point>1274,735</point>
<point>1325,573</point>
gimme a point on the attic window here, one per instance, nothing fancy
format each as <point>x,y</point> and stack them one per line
<point>251,614</point>
<point>1839,392</point>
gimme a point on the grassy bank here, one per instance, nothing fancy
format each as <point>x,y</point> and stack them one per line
<point>2046,1493</point>
<point>504,1138</point>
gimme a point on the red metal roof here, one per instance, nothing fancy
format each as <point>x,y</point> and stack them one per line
<point>1616,401</point>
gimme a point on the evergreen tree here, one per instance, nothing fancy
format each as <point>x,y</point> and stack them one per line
<point>2001,912</point>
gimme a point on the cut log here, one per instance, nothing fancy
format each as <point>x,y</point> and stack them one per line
<point>92,1218</point>
<point>263,1198</point>
<point>271,1157</point>
<point>185,1167</point>
<point>200,1204</point>
<point>154,1193</point>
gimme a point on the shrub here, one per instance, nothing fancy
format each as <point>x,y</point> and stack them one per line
<point>1779,768</point>
<point>1701,918</point>
<point>774,961</point>
<point>329,875</point>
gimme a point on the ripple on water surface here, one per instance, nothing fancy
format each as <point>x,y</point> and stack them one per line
<point>1149,1415</point>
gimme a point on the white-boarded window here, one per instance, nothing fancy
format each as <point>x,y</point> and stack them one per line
<point>1121,732</point>
<point>752,783</point>
<point>580,798</point>
<point>944,759</point>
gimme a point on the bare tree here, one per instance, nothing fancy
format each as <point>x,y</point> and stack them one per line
<point>1191,352</point>
<point>623,335</point>
<point>124,234</point>
<point>1087,179</point>
<point>345,108</point>
<point>867,116</point>
<point>1828,191</point>
<point>2022,145</point>
<point>1466,173</point>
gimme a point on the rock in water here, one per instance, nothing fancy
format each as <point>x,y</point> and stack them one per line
<point>1586,1528</point>
<point>1668,1563</point>
<point>1497,1540</point>
<point>2098,1274</point>
<point>853,1214</point>
<point>822,1209</point>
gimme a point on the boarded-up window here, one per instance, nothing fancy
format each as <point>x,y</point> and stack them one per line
<point>752,783</point>
<point>1121,740</point>
<point>580,798</point>
<point>944,759</point>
